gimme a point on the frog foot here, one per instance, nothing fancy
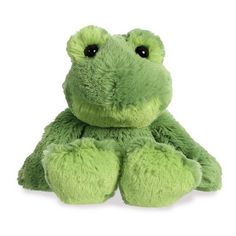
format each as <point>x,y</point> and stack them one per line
<point>156,175</point>
<point>84,171</point>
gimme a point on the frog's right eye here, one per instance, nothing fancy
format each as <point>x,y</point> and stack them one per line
<point>91,50</point>
<point>86,43</point>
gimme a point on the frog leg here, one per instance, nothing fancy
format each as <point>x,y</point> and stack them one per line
<point>64,129</point>
<point>167,130</point>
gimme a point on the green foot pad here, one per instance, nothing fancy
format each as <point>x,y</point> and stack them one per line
<point>85,171</point>
<point>156,175</point>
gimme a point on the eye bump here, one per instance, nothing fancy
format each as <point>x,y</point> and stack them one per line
<point>91,50</point>
<point>142,51</point>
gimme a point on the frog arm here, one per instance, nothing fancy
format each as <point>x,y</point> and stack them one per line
<point>64,129</point>
<point>166,129</point>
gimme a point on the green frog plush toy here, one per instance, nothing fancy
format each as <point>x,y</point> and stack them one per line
<point>117,131</point>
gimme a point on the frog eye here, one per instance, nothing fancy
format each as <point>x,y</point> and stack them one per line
<point>91,50</point>
<point>146,44</point>
<point>142,51</point>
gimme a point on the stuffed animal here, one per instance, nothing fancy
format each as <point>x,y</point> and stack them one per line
<point>117,131</point>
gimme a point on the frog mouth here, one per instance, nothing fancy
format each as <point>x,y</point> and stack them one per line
<point>110,116</point>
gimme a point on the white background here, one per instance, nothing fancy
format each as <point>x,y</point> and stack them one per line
<point>199,38</point>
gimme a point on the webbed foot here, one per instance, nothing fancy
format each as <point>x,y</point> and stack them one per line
<point>157,175</point>
<point>84,171</point>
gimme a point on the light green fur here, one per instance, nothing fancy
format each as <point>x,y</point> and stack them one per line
<point>116,131</point>
<point>158,166</point>
<point>86,36</point>
<point>153,42</point>
<point>89,170</point>
<point>138,116</point>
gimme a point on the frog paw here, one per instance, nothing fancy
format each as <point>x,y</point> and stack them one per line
<point>84,171</point>
<point>156,175</point>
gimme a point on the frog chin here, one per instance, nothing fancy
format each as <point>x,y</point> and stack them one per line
<point>110,116</point>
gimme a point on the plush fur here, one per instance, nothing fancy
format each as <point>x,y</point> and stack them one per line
<point>116,131</point>
<point>84,171</point>
<point>117,88</point>
<point>157,175</point>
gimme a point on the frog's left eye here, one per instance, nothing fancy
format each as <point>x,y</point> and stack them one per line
<point>91,50</point>
<point>142,51</point>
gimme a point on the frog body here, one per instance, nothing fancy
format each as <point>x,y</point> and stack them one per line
<point>117,131</point>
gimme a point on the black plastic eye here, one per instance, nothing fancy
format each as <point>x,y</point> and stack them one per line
<point>91,50</point>
<point>142,51</point>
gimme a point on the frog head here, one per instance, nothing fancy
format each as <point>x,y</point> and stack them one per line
<point>117,80</point>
